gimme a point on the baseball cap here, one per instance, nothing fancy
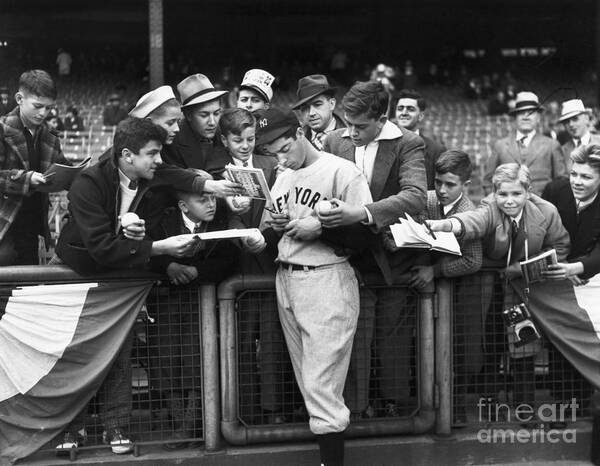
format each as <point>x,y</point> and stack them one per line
<point>273,123</point>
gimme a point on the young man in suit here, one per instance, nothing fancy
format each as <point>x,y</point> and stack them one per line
<point>391,158</point>
<point>410,112</point>
<point>27,149</point>
<point>576,119</point>
<point>316,104</point>
<point>540,154</point>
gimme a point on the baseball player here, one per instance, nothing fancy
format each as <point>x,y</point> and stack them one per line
<point>317,289</point>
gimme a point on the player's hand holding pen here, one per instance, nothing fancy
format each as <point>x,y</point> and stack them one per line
<point>341,213</point>
<point>278,220</point>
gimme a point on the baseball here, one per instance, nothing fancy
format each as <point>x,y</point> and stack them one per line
<point>323,207</point>
<point>240,201</point>
<point>129,219</point>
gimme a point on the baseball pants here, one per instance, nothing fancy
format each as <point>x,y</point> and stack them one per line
<point>318,309</point>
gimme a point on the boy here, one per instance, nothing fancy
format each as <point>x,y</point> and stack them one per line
<point>317,289</point>
<point>511,222</point>
<point>94,241</point>
<point>255,91</point>
<point>391,159</point>
<point>27,148</point>
<point>175,333</point>
<point>238,128</point>
<point>452,176</point>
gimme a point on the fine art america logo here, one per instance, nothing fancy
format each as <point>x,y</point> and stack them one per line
<point>546,414</point>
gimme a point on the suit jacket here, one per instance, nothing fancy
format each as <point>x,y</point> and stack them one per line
<point>433,150</point>
<point>398,185</point>
<point>541,223</point>
<point>339,123</point>
<point>15,174</point>
<point>543,157</point>
<point>214,260</point>
<point>568,147</point>
<point>471,259</point>
<point>584,229</point>
<point>189,150</point>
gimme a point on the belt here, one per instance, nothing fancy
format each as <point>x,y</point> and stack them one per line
<point>290,267</point>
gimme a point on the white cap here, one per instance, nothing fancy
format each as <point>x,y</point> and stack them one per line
<point>151,101</point>
<point>260,81</point>
<point>571,108</point>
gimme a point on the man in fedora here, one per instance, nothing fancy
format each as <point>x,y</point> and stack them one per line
<point>541,154</point>
<point>576,119</point>
<point>201,105</point>
<point>255,91</point>
<point>113,112</point>
<point>316,102</point>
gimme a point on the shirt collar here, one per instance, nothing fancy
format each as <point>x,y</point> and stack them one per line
<point>239,163</point>
<point>330,126</point>
<point>189,224</point>
<point>585,139</point>
<point>528,137</point>
<point>518,217</point>
<point>388,132</point>
<point>582,205</point>
<point>448,208</point>
<point>124,180</point>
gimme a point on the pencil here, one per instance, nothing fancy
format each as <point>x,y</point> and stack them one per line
<point>429,230</point>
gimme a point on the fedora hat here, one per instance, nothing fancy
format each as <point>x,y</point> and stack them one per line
<point>526,101</point>
<point>310,87</point>
<point>571,108</point>
<point>151,101</point>
<point>197,89</point>
<point>259,81</point>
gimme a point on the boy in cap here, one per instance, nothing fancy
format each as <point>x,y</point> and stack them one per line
<point>27,149</point>
<point>255,91</point>
<point>317,289</point>
<point>316,104</point>
<point>527,146</point>
<point>576,119</point>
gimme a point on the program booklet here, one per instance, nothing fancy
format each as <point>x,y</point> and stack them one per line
<point>410,234</point>
<point>533,267</point>
<point>59,177</point>
<point>252,179</point>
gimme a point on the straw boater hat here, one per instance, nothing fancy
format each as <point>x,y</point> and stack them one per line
<point>151,101</point>
<point>311,86</point>
<point>197,89</point>
<point>259,81</point>
<point>526,101</point>
<point>571,108</point>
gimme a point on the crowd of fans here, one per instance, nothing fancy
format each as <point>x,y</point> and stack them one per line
<point>337,181</point>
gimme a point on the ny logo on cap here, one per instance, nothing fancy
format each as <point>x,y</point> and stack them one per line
<point>263,122</point>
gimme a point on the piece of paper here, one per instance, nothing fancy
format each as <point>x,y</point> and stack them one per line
<point>410,234</point>
<point>225,234</point>
<point>59,177</point>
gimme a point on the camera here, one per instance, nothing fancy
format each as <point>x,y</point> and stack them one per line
<point>519,323</point>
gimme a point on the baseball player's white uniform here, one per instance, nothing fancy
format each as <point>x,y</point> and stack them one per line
<point>317,290</point>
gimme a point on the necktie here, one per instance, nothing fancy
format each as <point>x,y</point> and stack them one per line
<point>577,142</point>
<point>442,213</point>
<point>133,185</point>
<point>198,228</point>
<point>318,140</point>
<point>244,164</point>
<point>514,230</point>
<point>522,142</point>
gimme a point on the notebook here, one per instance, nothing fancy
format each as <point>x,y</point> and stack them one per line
<point>411,234</point>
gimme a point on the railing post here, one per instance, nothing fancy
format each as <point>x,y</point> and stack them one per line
<point>210,362</point>
<point>443,356</point>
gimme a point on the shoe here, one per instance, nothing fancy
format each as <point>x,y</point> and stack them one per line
<point>71,440</point>
<point>118,441</point>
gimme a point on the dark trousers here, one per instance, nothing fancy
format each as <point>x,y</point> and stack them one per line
<point>19,248</point>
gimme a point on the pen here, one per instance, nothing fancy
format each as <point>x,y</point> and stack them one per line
<point>49,175</point>
<point>429,230</point>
